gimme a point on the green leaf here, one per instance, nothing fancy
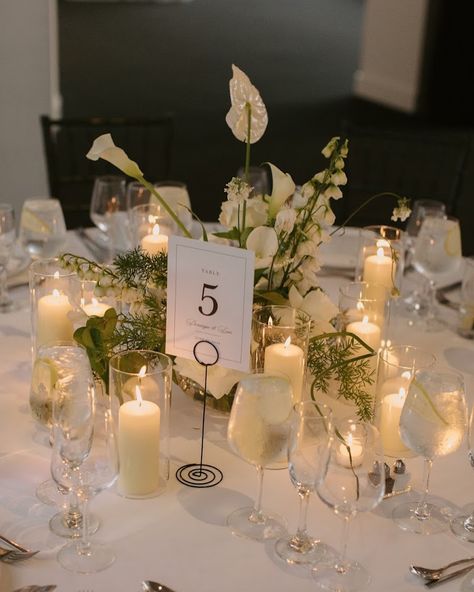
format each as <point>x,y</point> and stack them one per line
<point>229,234</point>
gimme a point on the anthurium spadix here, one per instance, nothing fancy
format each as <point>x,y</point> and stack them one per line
<point>104,147</point>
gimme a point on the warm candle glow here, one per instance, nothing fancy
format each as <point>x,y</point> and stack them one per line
<point>365,319</point>
<point>56,275</point>
<point>270,322</point>
<point>288,342</point>
<point>138,395</point>
<point>55,293</point>
<point>156,230</point>
<point>142,372</point>
<point>380,253</point>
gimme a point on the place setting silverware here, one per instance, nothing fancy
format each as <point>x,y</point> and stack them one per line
<point>37,588</point>
<point>13,543</point>
<point>434,576</point>
<point>12,555</point>
<point>150,586</point>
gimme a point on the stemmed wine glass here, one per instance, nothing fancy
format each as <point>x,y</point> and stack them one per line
<point>258,432</point>
<point>437,251</point>
<point>108,208</point>
<point>309,445</point>
<point>42,227</point>
<point>7,240</point>
<point>354,482</point>
<point>463,526</point>
<point>432,423</point>
<point>97,471</point>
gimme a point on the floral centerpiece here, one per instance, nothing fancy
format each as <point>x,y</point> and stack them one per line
<point>284,228</point>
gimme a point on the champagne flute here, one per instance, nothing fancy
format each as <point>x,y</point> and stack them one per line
<point>258,432</point>
<point>309,446</point>
<point>354,482</point>
<point>108,208</point>
<point>98,471</point>
<point>7,240</point>
<point>42,227</point>
<point>432,423</point>
<point>463,526</point>
<point>437,252</point>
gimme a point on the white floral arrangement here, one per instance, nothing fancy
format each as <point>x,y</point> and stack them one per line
<point>285,228</point>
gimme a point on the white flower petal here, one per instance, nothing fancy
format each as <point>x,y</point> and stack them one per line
<point>104,147</point>
<point>219,380</point>
<point>283,187</point>
<point>263,241</point>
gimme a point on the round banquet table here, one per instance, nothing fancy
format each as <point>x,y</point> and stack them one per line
<point>180,538</point>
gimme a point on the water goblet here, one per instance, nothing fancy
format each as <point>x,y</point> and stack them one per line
<point>432,423</point>
<point>7,240</point>
<point>309,445</point>
<point>98,471</point>
<point>42,227</point>
<point>463,526</point>
<point>354,482</point>
<point>258,432</point>
<point>108,209</point>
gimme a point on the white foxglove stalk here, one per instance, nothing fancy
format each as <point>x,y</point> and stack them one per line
<point>104,147</point>
<point>330,147</point>
<point>285,220</point>
<point>245,96</point>
<point>318,305</point>
<point>300,198</point>
<point>339,178</point>
<point>332,191</point>
<point>283,187</point>
<point>402,211</point>
<point>263,241</point>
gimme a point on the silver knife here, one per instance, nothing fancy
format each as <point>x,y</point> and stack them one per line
<point>452,576</point>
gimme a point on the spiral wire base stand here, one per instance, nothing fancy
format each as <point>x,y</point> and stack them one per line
<point>201,475</point>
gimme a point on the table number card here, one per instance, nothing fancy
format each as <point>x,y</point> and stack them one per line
<point>209,298</point>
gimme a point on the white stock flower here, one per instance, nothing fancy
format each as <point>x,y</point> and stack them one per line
<point>104,147</point>
<point>322,213</point>
<point>256,212</point>
<point>283,187</point>
<point>402,211</point>
<point>238,190</point>
<point>243,93</point>
<point>263,241</point>
<point>285,220</point>
<point>219,380</point>
<point>318,305</point>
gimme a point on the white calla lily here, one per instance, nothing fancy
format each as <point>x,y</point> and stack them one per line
<point>104,147</point>
<point>263,241</point>
<point>244,98</point>
<point>283,187</point>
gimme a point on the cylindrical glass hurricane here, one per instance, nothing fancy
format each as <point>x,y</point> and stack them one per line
<point>280,337</point>
<point>397,365</point>
<point>54,292</point>
<point>381,256</point>
<point>151,227</point>
<point>140,391</point>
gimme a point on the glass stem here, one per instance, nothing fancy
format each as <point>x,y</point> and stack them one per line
<point>432,300</point>
<point>422,511</point>
<point>301,533</point>
<point>84,545</point>
<point>4,297</point>
<point>72,515</point>
<point>341,562</point>
<point>257,514</point>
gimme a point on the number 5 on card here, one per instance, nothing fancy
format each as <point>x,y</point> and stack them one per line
<point>209,298</point>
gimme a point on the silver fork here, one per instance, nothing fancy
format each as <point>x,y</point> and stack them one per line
<point>10,555</point>
<point>34,588</point>
<point>13,543</point>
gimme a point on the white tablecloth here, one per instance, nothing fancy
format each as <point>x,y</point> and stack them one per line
<point>180,537</point>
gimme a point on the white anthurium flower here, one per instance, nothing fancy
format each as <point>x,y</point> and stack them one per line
<point>283,187</point>
<point>263,241</point>
<point>330,147</point>
<point>244,96</point>
<point>318,305</point>
<point>255,213</point>
<point>219,380</point>
<point>339,178</point>
<point>285,220</point>
<point>104,147</point>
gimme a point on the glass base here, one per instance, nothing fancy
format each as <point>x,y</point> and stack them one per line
<point>462,528</point>
<point>406,518</point>
<point>301,551</point>
<point>9,305</point>
<point>48,494</point>
<point>58,525</point>
<point>267,526</point>
<point>97,558</point>
<point>351,577</point>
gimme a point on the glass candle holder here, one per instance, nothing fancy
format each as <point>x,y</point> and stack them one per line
<point>54,293</point>
<point>381,256</point>
<point>140,391</point>
<point>150,228</point>
<point>466,306</point>
<point>280,336</point>
<point>397,365</point>
<point>94,303</point>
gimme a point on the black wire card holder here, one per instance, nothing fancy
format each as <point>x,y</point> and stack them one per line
<point>201,475</point>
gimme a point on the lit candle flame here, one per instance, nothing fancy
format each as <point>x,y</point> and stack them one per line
<point>142,372</point>
<point>360,306</point>
<point>55,293</point>
<point>270,322</point>
<point>95,302</point>
<point>287,342</point>
<point>138,395</point>
<point>56,275</point>
<point>380,253</point>
<point>156,230</point>
<point>365,319</point>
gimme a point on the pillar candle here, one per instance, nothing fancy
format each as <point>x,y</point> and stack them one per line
<point>286,359</point>
<point>155,242</point>
<point>378,269</point>
<point>53,323</point>
<point>95,308</point>
<point>368,332</point>
<point>139,447</point>
<point>356,456</point>
<point>390,412</point>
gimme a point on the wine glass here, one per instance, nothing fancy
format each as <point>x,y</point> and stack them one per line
<point>463,526</point>
<point>98,471</point>
<point>7,240</point>
<point>437,251</point>
<point>432,423</point>
<point>108,209</point>
<point>309,445</point>
<point>423,208</point>
<point>42,227</point>
<point>137,195</point>
<point>258,432</point>
<point>176,195</point>
<point>354,482</point>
